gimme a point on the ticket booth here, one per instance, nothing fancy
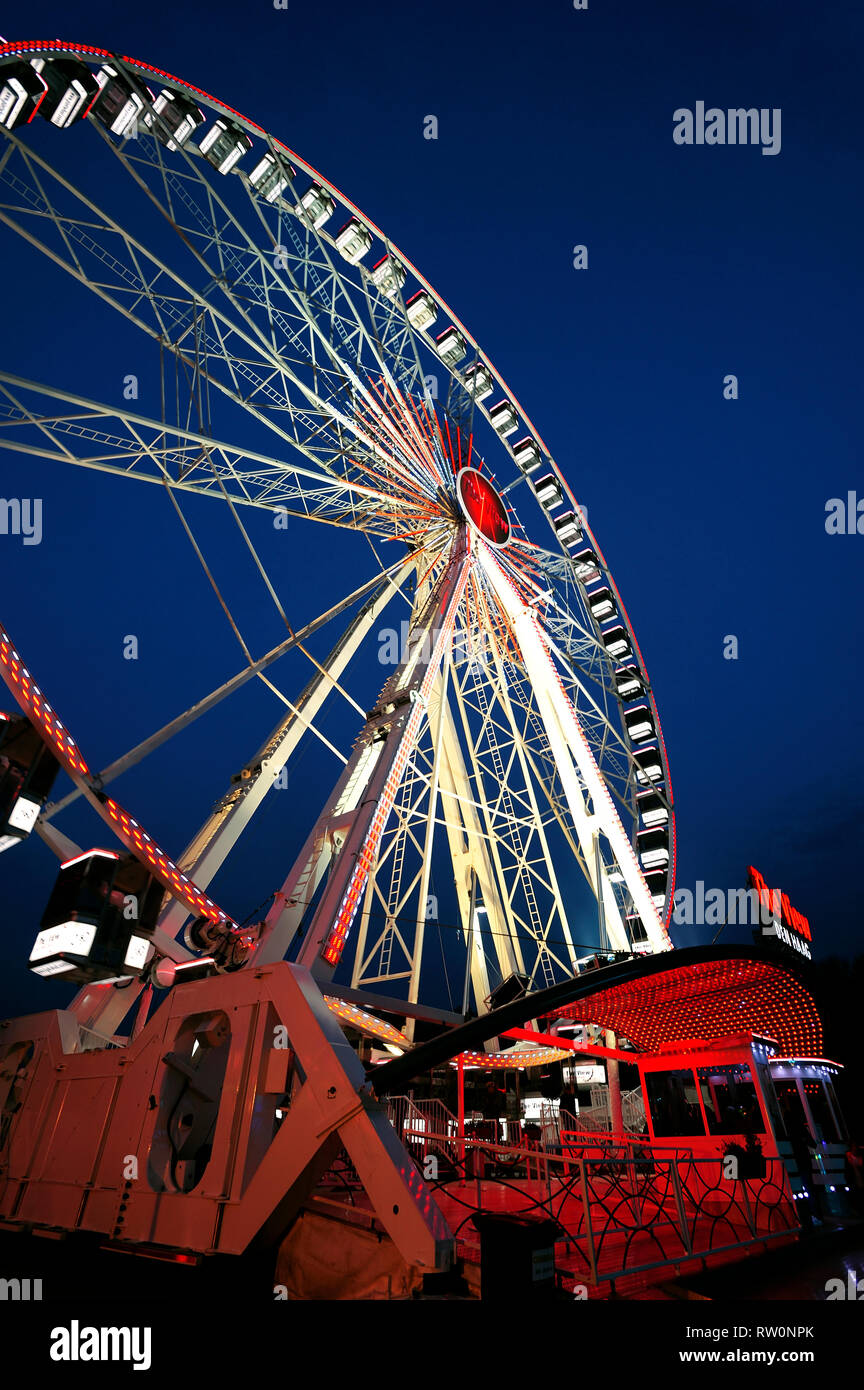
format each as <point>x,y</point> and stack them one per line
<point>735,1095</point>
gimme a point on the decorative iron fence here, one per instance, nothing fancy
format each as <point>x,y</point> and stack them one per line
<point>621,1208</point>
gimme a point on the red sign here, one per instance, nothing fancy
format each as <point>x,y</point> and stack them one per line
<point>778,905</point>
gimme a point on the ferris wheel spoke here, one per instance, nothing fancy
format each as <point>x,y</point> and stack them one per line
<point>472,855</point>
<point>352,822</point>
<point>573,752</point>
<point>388,583</point>
<point>236,353</point>
<point>232,814</point>
<point>220,235</point>
<point>131,445</point>
<point>512,817</point>
<point>245,275</point>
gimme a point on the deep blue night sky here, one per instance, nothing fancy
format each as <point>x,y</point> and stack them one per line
<point>555,129</point>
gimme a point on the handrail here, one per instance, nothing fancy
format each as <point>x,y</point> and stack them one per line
<point>682,1203</point>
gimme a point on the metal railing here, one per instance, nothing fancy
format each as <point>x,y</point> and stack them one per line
<point>622,1207</point>
<point>599,1114</point>
<point>427,1126</point>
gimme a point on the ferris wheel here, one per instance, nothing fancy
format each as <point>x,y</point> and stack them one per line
<point>309,371</point>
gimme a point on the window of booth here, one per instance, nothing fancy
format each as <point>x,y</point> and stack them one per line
<point>674,1103</point>
<point>814,1089</point>
<point>835,1103</point>
<point>730,1099</point>
<point>817,1100</point>
<point>794,1119</point>
<point>769,1091</point>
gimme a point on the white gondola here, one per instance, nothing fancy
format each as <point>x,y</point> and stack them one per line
<point>629,683</point>
<point>617,642</point>
<point>224,144</point>
<point>657,881</point>
<point>652,846</point>
<point>72,89</point>
<point>27,772</point>
<point>180,118</point>
<point>85,933</point>
<point>640,723</point>
<point>585,565</point>
<point>421,310</point>
<point>548,491</point>
<point>451,346</point>
<point>526,452</point>
<point>271,176</point>
<point>652,809</point>
<point>353,241</point>
<point>478,381</point>
<point>21,92</point>
<point>118,106</point>
<point>504,418</point>
<point>568,529</point>
<point>388,276</point>
<point>602,604</point>
<point>649,768</point>
<point>316,205</point>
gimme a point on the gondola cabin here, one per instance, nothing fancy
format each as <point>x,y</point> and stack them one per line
<point>22,92</point>
<point>98,919</point>
<point>72,90</point>
<point>27,772</point>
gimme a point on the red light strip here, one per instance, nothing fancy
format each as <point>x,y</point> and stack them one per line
<point>514,1059</point>
<point>553,1046</point>
<point>126,827</point>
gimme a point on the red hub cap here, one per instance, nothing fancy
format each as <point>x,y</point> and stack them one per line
<point>483,506</point>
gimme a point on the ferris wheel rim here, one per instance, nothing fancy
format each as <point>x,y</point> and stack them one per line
<point>30,48</point>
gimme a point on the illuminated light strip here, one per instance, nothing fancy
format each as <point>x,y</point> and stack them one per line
<point>506,1060</point>
<point>65,749</point>
<point>424,459</point>
<point>90,854</point>
<point>366,1022</point>
<point>590,772</point>
<point>334,943</point>
<point>164,869</point>
<point>811,1061</point>
<point>37,709</point>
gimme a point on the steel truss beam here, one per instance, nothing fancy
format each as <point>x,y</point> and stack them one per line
<point>587,796</point>
<point>346,836</point>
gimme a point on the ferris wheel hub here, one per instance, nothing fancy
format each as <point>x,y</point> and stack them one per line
<point>483,507</point>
